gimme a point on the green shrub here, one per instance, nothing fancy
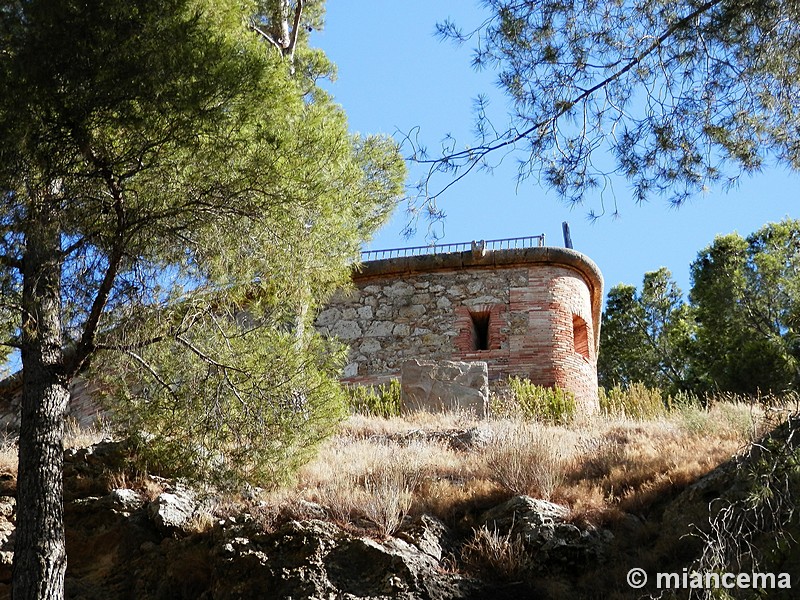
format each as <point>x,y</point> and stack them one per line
<point>696,420</point>
<point>635,401</point>
<point>718,415</point>
<point>375,401</point>
<point>535,402</point>
<point>255,416</point>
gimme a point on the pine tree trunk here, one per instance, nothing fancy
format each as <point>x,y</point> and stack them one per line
<point>40,559</point>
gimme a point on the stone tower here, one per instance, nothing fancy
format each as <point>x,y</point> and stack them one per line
<point>532,312</point>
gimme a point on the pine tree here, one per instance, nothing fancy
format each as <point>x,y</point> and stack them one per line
<point>645,336</point>
<point>672,96</point>
<point>177,196</point>
<point>747,302</point>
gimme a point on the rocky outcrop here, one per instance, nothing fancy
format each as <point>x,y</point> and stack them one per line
<point>547,536</point>
<point>161,541</point>
<point>440,386</point>
<point>172,511</point>
<point>154,539</point>
<point>315,559</point>
<point>462,440</point>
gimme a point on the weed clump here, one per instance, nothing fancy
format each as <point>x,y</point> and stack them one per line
<point>495,555</point>
<point>527,458</point>
<point>375,401</point>
<point>634,401</point>
<point>531,402</point>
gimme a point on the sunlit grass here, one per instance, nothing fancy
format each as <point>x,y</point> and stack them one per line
<point>599,467</point>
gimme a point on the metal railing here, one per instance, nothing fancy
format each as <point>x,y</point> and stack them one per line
<point>502,244</point>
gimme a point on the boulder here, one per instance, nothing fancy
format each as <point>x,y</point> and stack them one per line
<point>439,386</point>
<point>545,533</point>
<point>471,439</point>
<point>171,511</point>
<point>122,500</point>
<point>316,559</point>
<point>429,534</point>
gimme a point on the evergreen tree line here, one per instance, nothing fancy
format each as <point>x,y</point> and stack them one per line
<point>737,332</point>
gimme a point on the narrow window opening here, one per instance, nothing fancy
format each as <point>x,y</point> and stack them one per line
<point>480,330</point>
<point>580,336</point>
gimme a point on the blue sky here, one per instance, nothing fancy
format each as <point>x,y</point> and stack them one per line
<point>395,76</point>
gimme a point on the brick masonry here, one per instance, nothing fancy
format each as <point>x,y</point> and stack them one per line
<point>532,312</point>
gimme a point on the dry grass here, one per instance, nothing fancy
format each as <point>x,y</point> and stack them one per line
<point>389,493</point>
<point>495,555</point>
<point>630,465</point>
<point>8,454</point>
<point>370,475</point>
<point>8,465</point>
<point>375,480</point>
<point>78,436</point>
<point>529,458</point>
<point>145,485</point>
<point>375,472</point>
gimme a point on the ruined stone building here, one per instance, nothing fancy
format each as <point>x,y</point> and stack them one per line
<point>532,312</point>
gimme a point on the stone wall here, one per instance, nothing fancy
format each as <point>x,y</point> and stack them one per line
<point>534,313</point>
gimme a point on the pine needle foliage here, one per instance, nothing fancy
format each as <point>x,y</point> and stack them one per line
<point>375,401</point>
<point>177,197</point>
<point>673,97</point>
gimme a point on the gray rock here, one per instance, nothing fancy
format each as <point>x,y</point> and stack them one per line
<point>402,330</point>
<point>380,329</point>
<point>370,346</point>
<point>95,458</point>
<point>384,311</point>
<point>315,559</point>
<point>399,289</point>
<point>471,439</point>
<point>413,311</point>
<point>170,512</point>
<point>548,537</point>
<point>443,302</point>
<point>310,510</point>
<point>329,317</point>
<point>8,506</point>
<point>363,567</point>
<point>346,330</point>
<point>122,500</point>
<point>350,370</point>
<point>437,386</point>
<point>429,534</point>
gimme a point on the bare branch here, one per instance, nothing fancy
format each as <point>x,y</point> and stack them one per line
<point>149,368</point>
<point>266,36</point>
<point>134,346</point>
<point>86,345</point>
<point>205,357</point>
<point>298,13</point>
